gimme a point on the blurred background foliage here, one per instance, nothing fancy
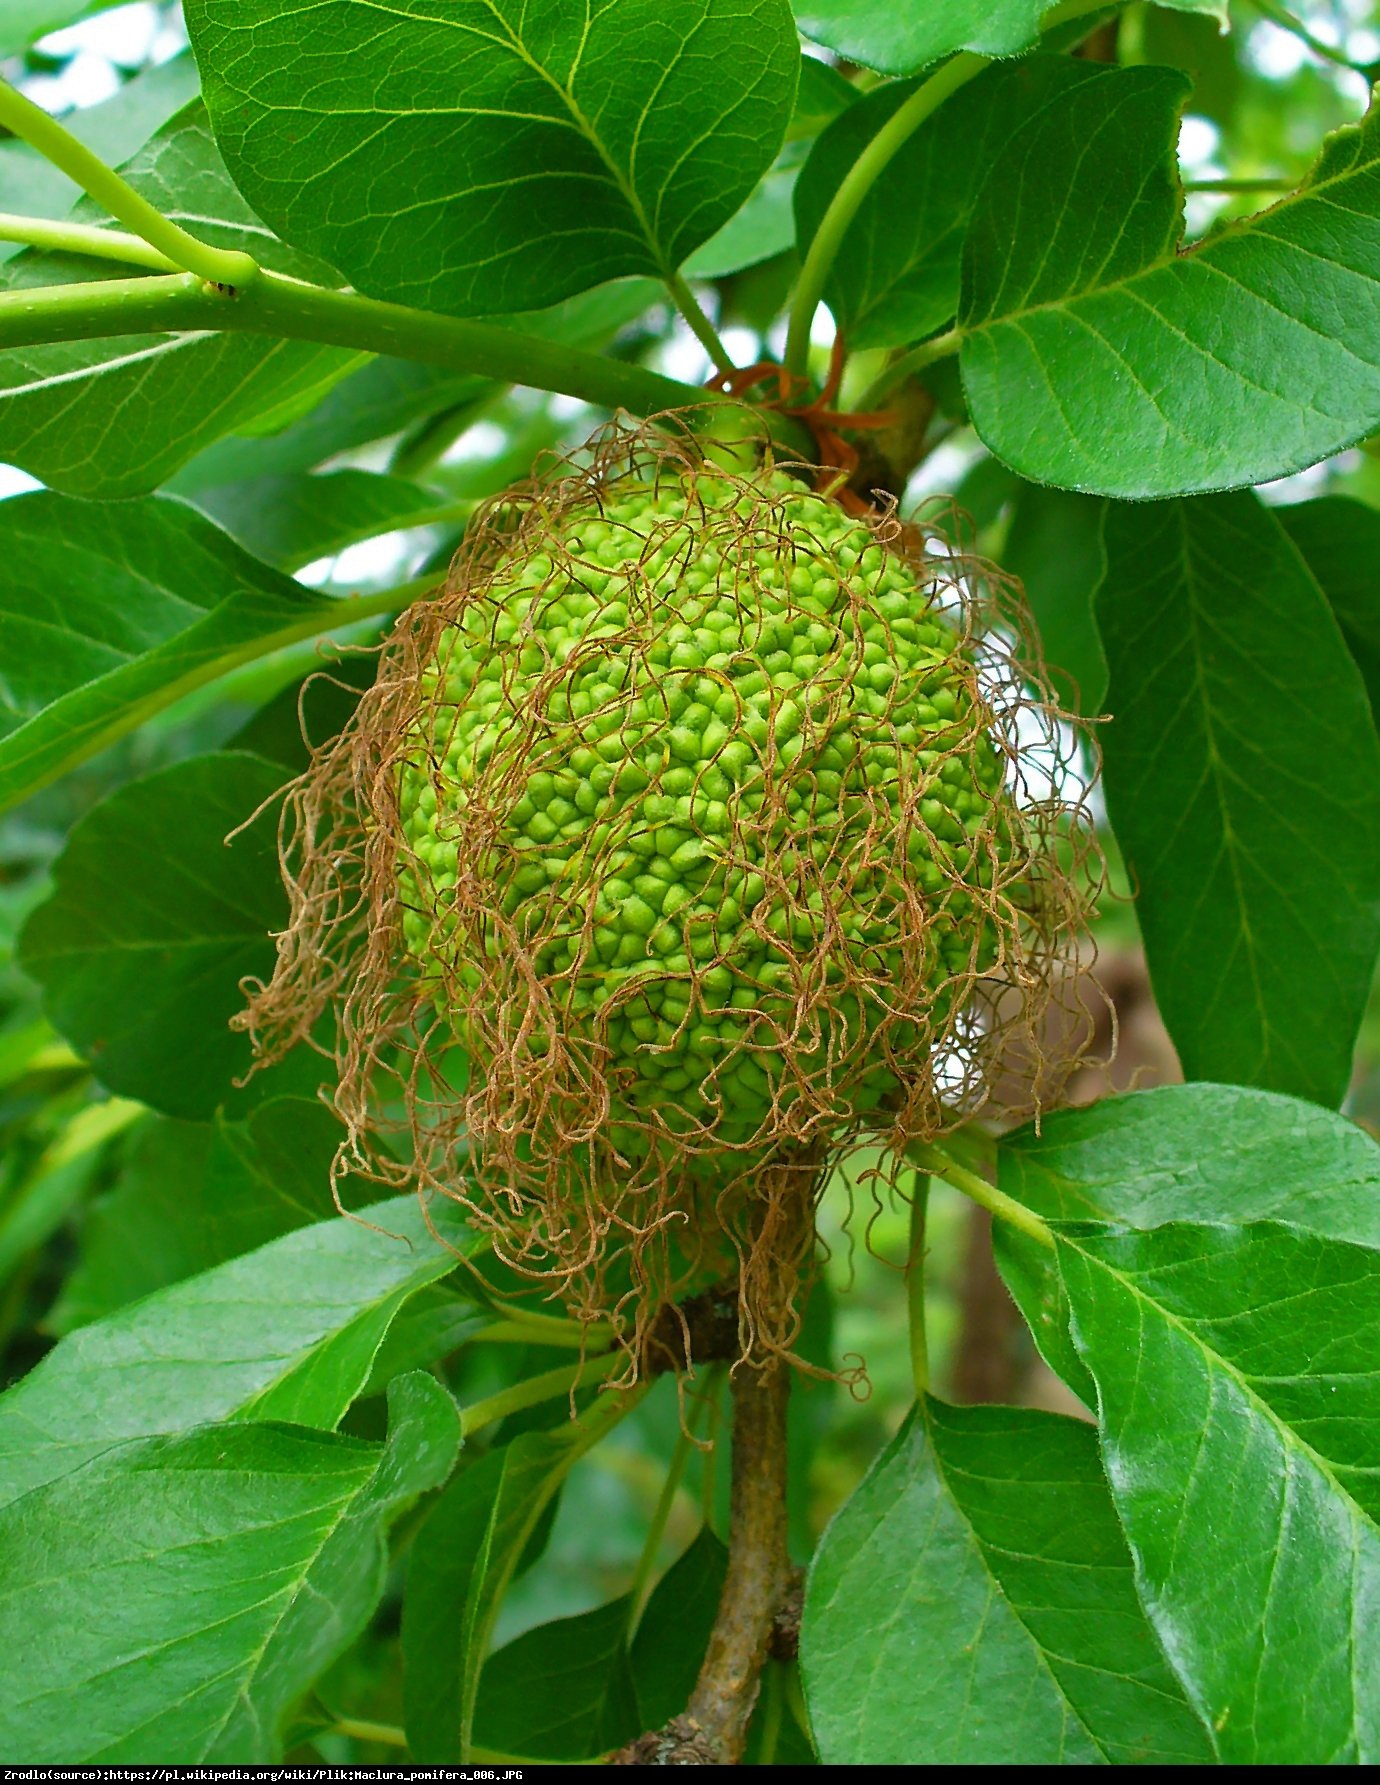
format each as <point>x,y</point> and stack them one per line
<point>103,1200</point>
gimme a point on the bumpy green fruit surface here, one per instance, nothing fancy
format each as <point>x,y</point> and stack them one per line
<point>707,757</point>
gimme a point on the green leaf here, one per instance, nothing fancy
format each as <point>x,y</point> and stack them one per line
<point>290,521</point>
<point>896,276</point>
<point>1239,1399</point>
<point>974,1603</point>
<point>380,398</point>
<point>1097,356</point>
<point>1054,545</point>
<point>1339,540</point>
<point>1180,1153</point>
<point>110,611</point>
<point>901,39</point>
<point>763,228</point>
<point>175,1597</point>
<point>484,160</point>
<point>193,1195</point>
<point>822,93</point>
<point>1199,1153</point>
<point>287,1332</point>
<point>1243,779</point>
<point>308,712</point>
<point>116,417</point>
<point>674,1630</point>
<point>430,1326</point>
<point>141,947</point>
<point>459,1567</point>
<point>586,1705</point>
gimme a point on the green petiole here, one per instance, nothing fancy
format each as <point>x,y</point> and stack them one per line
<point>218,266</point>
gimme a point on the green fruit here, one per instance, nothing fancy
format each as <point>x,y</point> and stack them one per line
<point>708,773</point>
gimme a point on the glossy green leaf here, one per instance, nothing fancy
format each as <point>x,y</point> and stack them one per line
<point>192,1195</point>
<point>1339,540</point>
<point>764,227</point>
<point>896,277</point>
<point>586,1705</point>
<point>115,417</point>
<point>1199,1153</point>
<point>1097,356</point>
<point>1180,1153</point>
<point>459,1567</point>
<point>204,1582</point>
<point>899,39</point>
<point>290,521</point>
<point>1243,780</point>
<point>483,159</point>
<point>822,93</point>
<point>287,1332</point>
<point>109,611</point>
<point>974,1603</point>
<point>141,947</point>
<point>1054,546</point>
<point>1239,1400</point>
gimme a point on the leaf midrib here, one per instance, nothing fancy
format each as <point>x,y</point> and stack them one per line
<point>999,1588</point>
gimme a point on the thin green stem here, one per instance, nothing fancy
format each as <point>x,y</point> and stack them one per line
<point>936,1161</point>
<point>360,1729</point>
<point>536,1389</point>
<point>641,1590</point>
<point>279,306</point>
<point>1266,183</point>
<point>83,238</point>
<point>1281,16</point>
<point>915,1285</point>
<point>868,169</point>
<point>224,266</point>
<point>542,1329</point>
<point>854,188</point>
<point>289,309</point>
<point>915,359</point>
<point>702,328</point>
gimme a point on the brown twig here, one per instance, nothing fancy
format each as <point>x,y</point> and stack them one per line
<point>713,1729</point>
<point>759,1605</point>
<point>758,1564</point>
